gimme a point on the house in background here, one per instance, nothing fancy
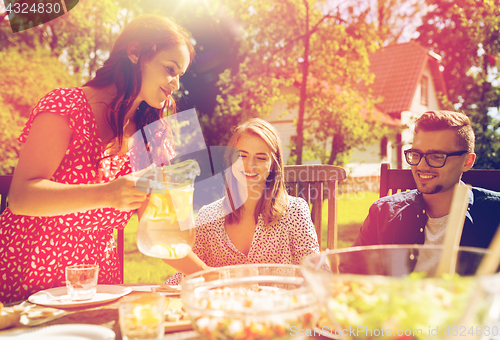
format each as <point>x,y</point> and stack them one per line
<point>408,77</point>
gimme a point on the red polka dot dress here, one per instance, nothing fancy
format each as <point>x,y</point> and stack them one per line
<point>35,250</point>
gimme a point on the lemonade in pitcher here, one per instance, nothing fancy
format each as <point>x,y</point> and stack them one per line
<point>166,229</point>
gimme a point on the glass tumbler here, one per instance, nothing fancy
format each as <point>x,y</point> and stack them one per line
<point>142,316</point>
<point>81,281</point>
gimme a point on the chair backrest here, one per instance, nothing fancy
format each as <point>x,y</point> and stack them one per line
<point>308,182</point>
<point>402,179</point>
<point>5,181</point>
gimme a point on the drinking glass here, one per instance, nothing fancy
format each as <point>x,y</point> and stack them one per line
<point>141,316</point>
<point>81,281</point>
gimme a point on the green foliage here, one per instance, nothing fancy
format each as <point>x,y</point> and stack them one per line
<point>9,147</point>
<point>61,53</point>
<point>307,44</point>
<point>22,84</point>
<point>462,32</point>
<point>82,37</point>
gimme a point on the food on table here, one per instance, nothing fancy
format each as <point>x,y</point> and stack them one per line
<point>8,316</point>
<point>174,310</point>
<point>409,304</point>
<point>251,313</point>
<point>144,318</point>
<point>176,317</point>
<point>40,312</point>
<point>33,315</point>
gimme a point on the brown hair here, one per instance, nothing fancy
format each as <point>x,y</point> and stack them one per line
<point>274,200</point>
<point>151,33</point>
<point>448,120</point>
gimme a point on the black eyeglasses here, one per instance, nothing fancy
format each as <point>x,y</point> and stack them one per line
<point>434,159</point>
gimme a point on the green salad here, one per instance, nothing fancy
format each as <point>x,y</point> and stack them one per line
<point>413,307</point>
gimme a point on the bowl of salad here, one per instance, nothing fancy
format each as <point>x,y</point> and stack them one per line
<point>391,291</point>
<point>268,301</point>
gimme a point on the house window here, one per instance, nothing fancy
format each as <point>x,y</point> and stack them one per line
<point>424,90</point>
<point>383,147</point>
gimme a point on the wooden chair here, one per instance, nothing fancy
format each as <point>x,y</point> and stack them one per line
<point>307,181</point>
<point>5,181</point>
<point>398,180</point>
<point>120,249</point>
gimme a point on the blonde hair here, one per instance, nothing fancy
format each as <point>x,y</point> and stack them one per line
<point>274,201</point>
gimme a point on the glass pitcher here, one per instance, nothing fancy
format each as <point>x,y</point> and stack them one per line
<point>166,229</point>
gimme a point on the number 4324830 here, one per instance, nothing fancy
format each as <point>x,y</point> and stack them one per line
<point>40,8</point>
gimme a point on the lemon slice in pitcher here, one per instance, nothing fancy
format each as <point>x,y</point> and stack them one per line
<point>160,208</point>
<point>181,250</point>
<point>154,206</point>
<point>163,251</point>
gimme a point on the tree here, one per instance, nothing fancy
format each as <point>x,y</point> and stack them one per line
<point>82,38</point>
<point>323,52</point>
<point>22,84</point>
<point>396,18</point>
<point>464,32</point>
<point>61,53</point>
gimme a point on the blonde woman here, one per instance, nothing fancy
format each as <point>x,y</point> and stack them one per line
<point>257,222</point>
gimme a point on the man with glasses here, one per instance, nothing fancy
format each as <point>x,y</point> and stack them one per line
<point>443,149</point>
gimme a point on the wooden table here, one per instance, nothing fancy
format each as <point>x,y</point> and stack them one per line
<point>107,315</point>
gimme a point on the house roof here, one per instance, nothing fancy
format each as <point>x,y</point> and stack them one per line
<point>397,70</point>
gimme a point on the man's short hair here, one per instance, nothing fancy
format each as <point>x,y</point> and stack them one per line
<point>448,120</point>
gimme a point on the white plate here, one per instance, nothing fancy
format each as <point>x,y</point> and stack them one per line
<point>57,297</point>
<point>69,332</point>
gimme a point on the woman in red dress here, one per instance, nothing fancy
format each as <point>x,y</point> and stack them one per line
<point>74,184</point>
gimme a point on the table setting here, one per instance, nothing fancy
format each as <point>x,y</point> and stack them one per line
<point>95,318</point>
<point>280,301</point>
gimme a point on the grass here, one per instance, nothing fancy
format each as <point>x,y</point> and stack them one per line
<point>139,267</point>
<point>352,210</point>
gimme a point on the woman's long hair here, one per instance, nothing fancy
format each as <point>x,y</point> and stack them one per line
<point>149,34</point>
<point>274,200</point>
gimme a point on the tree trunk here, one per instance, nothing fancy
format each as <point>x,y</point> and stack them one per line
<point>337,146</point>
<point>303,90</point>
